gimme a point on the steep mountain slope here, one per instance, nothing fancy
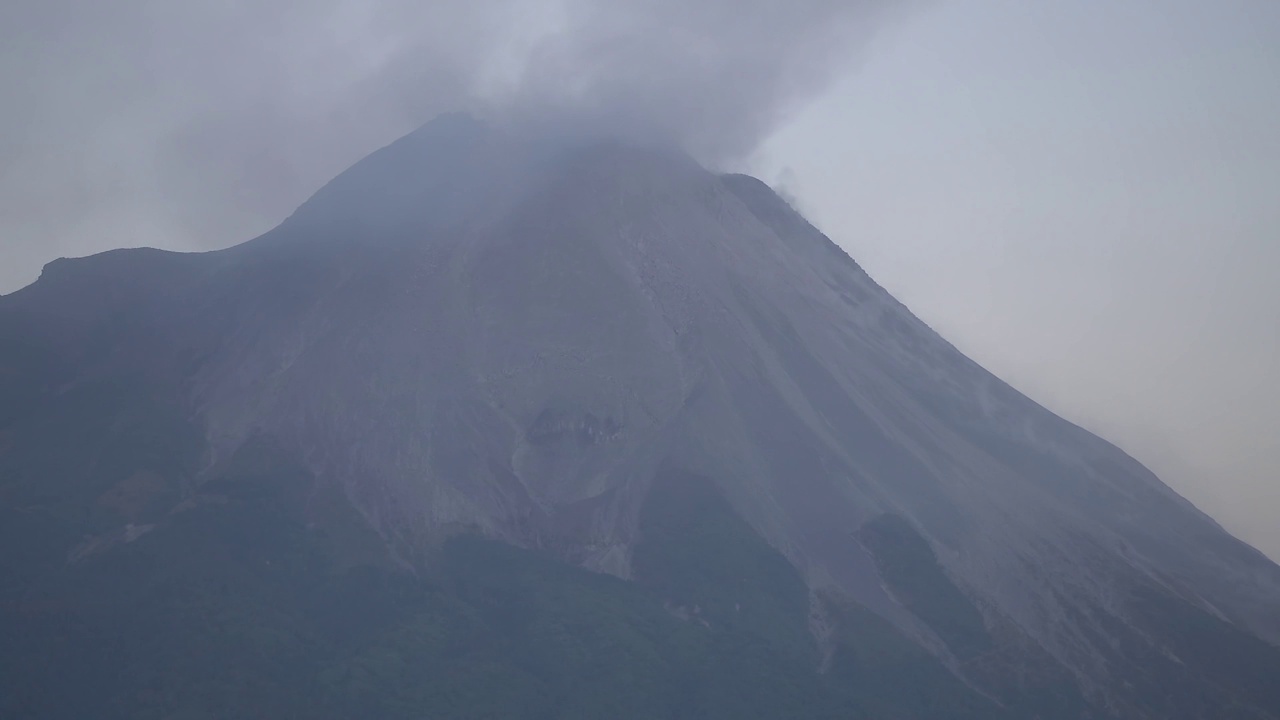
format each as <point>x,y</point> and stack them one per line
<point>609,356</point>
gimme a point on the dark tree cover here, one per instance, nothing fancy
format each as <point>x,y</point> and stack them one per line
<point>235,608</point>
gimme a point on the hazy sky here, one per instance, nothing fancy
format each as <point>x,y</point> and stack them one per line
<point>1084,195</point>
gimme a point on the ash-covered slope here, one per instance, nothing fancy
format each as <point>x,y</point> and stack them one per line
<point>473,332</point>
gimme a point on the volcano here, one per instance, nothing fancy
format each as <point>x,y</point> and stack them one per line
<point>500,427</point>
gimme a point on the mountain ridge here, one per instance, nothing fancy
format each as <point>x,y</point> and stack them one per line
<point>472,332</point>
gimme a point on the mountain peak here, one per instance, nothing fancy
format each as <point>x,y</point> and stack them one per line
<point>458,171</point>
<point>452,124</point>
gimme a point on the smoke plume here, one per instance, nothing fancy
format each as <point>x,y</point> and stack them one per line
<point>197,124</point>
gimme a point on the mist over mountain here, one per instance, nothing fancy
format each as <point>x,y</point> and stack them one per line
<point>499,424</point>
<point>194,126</point>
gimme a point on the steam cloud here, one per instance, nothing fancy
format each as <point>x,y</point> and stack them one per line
<point>199,123</point>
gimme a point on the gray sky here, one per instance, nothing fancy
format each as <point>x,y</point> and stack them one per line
<point>1082,195</point>
<point>1085,198</point>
